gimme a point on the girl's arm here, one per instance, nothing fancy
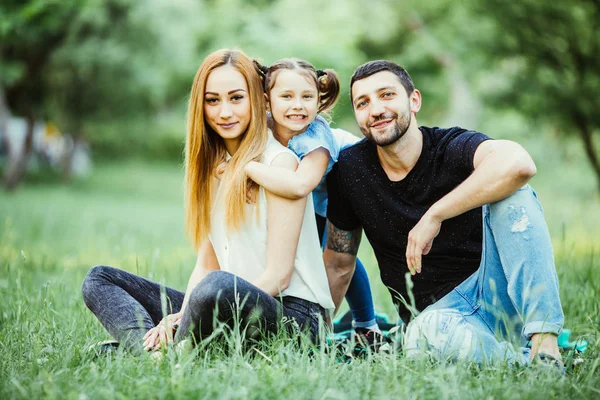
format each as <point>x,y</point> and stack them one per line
<point>163,332</point>
<point>284,222</point>
<point>291,184</point>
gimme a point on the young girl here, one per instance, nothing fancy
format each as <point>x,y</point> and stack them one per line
<point>258,256</point>
<point>297,93</point>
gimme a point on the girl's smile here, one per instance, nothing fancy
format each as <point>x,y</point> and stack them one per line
<point>294,101</point>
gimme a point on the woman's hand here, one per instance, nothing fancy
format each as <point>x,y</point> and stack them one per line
<point>162,333</point>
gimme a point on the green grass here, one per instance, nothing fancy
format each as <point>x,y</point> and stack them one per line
<point>129,215</point>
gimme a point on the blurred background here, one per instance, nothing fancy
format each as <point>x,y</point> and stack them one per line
<point>93,97</point>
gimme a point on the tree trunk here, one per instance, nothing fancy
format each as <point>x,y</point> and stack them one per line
<point>67,158</point>
<point>17,163</point>
<point>4,115</point>
<point>590,150</point>
<point>4,119</point>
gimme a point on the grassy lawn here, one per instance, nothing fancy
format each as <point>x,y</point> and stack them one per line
<point>129,215</point>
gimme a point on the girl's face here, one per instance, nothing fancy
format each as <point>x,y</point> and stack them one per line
<point>227,105</point>
<point>294,101</point>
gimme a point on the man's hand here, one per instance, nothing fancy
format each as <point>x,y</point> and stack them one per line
<point>420,240</point>
<point>161,333</point>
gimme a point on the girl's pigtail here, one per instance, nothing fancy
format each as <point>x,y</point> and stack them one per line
<point>329,89</point>
<point>262,70</point>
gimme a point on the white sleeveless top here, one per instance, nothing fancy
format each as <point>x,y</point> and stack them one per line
<point>244,252</point>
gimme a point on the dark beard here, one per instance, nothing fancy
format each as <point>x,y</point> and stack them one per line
<point>394,132</point>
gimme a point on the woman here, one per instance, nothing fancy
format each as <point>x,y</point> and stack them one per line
<point>258,253</point>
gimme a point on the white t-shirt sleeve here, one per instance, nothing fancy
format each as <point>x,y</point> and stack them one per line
<point>344,138</point>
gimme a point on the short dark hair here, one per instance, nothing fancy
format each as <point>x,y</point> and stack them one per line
<point>373,67</point>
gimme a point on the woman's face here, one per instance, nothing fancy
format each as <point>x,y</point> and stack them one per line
<point>294,102</point>
<point>227,105</point>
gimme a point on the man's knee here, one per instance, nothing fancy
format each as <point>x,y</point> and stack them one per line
<point>519,211</point>
<point>523,198</point>
<point>442,332</point>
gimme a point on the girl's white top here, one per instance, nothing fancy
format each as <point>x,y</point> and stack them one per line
<point>244,252</point>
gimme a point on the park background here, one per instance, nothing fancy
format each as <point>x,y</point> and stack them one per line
<point>93,97</point>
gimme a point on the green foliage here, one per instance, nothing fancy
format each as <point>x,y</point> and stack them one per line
<point>29,34</point>
<point>551,51</point>
<point>106,40</point>
<point>548,56</point>
<point>77,61</point>
<point>149,138</point>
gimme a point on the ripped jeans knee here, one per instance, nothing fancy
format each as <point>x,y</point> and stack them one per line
<point>442,333</point>
<point>445,334</point>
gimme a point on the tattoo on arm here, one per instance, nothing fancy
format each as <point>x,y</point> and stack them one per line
<point>343,241</point>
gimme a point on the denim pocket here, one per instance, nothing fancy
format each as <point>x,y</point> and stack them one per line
<point>298,309</point>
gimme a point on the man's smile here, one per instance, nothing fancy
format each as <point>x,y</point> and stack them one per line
<point>382,123</point>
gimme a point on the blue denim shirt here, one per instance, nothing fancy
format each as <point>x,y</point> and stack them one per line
<point>319,134</point>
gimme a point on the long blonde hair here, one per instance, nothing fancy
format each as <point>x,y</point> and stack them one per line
<point>204,150</point>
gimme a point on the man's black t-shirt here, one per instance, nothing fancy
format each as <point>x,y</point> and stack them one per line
<point>361,195</point>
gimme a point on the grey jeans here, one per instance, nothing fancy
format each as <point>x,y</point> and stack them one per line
<point>128,306</point>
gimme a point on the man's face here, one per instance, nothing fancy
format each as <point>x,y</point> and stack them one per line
<point>382,107</point>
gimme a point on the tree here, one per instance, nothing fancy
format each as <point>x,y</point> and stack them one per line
<point>75,61</point>
<point>101,72</point>
<point>551,53</point>
<point>30,33</point>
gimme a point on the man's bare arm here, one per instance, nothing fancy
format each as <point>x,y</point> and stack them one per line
<point>340,259</point>
<point>501,168</point>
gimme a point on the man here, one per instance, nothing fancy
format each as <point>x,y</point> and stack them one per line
<point>419,194</point>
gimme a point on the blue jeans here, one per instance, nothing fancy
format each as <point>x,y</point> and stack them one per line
<point>513,295</point>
